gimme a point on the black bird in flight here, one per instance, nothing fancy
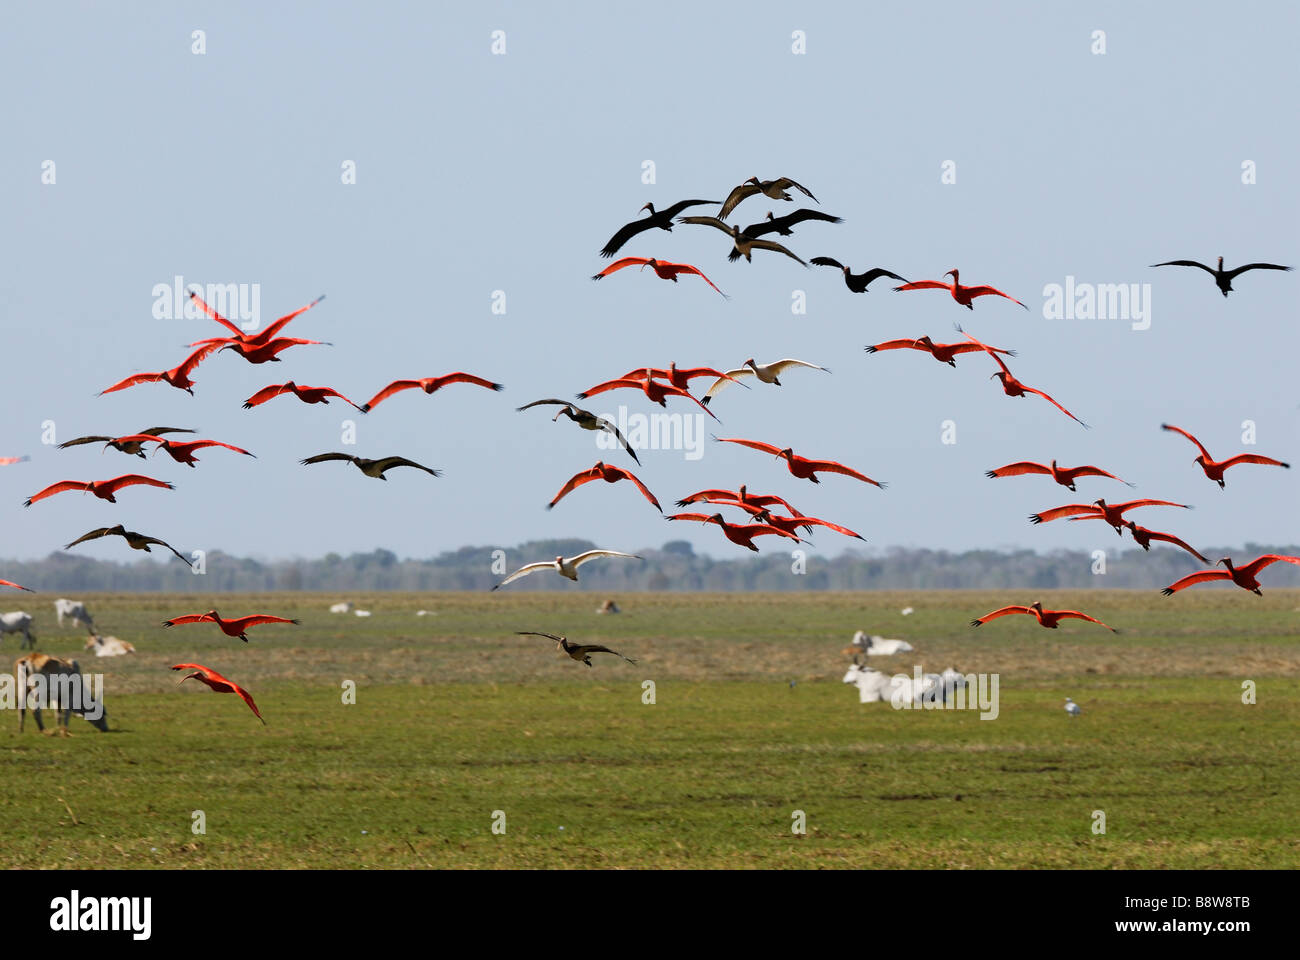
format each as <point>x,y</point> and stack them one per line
<point>663,219</point>
<point>372,468</point>
<point>782,225</point>
<point>857,282</point>
<point>1222,278</point>
<point>136,541</point>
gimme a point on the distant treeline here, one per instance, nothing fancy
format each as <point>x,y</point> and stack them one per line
<point>674,566</point>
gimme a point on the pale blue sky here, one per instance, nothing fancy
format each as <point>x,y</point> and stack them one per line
<point>479,172</point>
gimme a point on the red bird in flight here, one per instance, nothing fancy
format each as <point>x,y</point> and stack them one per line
<point>740,534</point>
<point>1112,513</point>
<point>665,270</point>
<point>1047,618</point>
<point>680,378</point>
<point>178,376</point>
<point>1214,469</point>
<point>1243,577</point>
<point>738,496</point>
<point>603,471</point>
<point>231,628</point>
<point>802,467</point>
<point>262,337</point>
<point>182,451</point>
<point>104,489</point>
<point>657,392</point>
<point>428,385</point>
<point>218,683</point>
<point>1065,476</point>
<point>305,394</point>
<point>943,352</point>
<point>1143,536</point>
<point>16,586</point>
<point>963,295</point>
<point>1014,388</point>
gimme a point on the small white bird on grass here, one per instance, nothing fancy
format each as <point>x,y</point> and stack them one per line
<point>1072,708</point>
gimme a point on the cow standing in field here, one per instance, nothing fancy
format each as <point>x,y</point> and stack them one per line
<point>74,609</point>
<point>40,675</point>
<point>17,621</point>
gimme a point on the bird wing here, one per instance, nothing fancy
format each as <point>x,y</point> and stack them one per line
<point>626,233</point>
<point>1070,509</point>
<point>1169,426</point>
<point>826,262</point>
<point>645,492</point>
<point>206,671</point>
<point>216,316</point>
<point>461,376</point>
<point>395,387</point>
<point>1253,458</point>
<point>189,618</point>
<point>164,543</point>
<point>755,444</point>
<point>52,489</point>
<point>782,365</point>
<point>1128,505</point>
<point>785,183</point>
<point>707,496</point>
<point>731,376</point>
<point>1048,399</point>
<point>773,245</point>
<point>201,444</point>
<point>525,571</point>
<point>832,526</point>
<point>322,457</point>
<point>93,535</point>
<point>265,394</point>
<point>734,198</point>
<point>687,268</point>
<point>269,333</point>
<point>588,648</point>
<point>159,431</point>
<point>187,365</point>
<point>1256,266</point>
<point>243,623</point>
<point>678,207</point>
<point>573,483</point>
<point>16,586</point>
<point>135,438</point>
<point>1185,263</point>
<point>1018,469</point>
<point>537,403</point>
<point>1002,612</point>
<point>1259,563</point>
<point>1091,471</point>
<point>538,633</point>
<point>387,463</point>
<point>990,292</point>
<point>80,440</point>
<point>132,381</point>
<point>698,517</point>
<point>331,392</point>
<point>874,274</point>
<point>1170,538</point>
<point>1203,576</point>
<point>248,699</point>
<point>1076,615</point>
<point>903,345</point>
<point>135,479</point>
<point>925,285</point>
<point>620,264</point>
<point>582,558</point>
<point>611,385</point>
<point>830,466</point>
<point>610,428</point>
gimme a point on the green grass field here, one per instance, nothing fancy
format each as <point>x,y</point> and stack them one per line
<point>455,718</point>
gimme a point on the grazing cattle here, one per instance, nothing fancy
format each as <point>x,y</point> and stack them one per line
<point>345,607</point>
<point>609,606</point>
<point>108,646</point>
<point>44,680</point>
<point>875,646</point>
<point>18,622</point>
<point>74,609</point>
<point>874,686</point>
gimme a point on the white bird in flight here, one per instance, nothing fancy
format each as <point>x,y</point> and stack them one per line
<point>766,373</point>
<point>565,568</point>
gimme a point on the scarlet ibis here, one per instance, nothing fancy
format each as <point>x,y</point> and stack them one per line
<point>776,189</point>
<point>262,336</point>
<point>181,451</point>
<point>218,684</point>
<point>104,489</point>
<point>134,447</point>
<point>234,627</point>
<point>1214,469</point>
<point>585,419</point>
<point>603,471</point>
<point>1112,513</point>
<point>943,352</point>
<point>739,496</point>
<point>963,295</point>
<point>802,467</point>
<point>680,378</point>
<point>740,534</point>
<point>1222,278</point>
<point>371,468</point>
<point>576,651</point>
<point>270,351</point>
<point>663,268</point>
<point>657,392</point>
<point>10,461</point>
<point>565,567</point>
<point>428,385</point>
<point>782,225</point>
<point>305,394</point>
<point>1014,388</point>
<point>1047,618</point>
<point>178,376</point>
<point>766,373</point>
<point>857,282</point>
<point>742,244</point>
<point>16,586</point>
<point>1143,536</point>
<point>1065,476</point>
<point>663,219</point>
<point>136,541</point>
<point>1243,577</point>
<point>793,524</point>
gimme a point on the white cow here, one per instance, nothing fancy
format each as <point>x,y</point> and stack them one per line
<point>18,622</point>
<point>877,646</point>
<point>875,686</point>
<point>108,646</point>
<point>345,607</point>
<point>361,613</point>
<point>872,685</point>
<point>74,609</point>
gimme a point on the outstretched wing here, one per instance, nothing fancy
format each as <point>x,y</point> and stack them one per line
<point>1069,510</point>
<point>1203,576</point>
<point>188,618</point>
<point>900,345</point>
<point>645,491</point>
<point>94,535</point>
<point>80,440</point>
<point>52,489</point>
<point>830,466</point>
<point>687,268</point>
<point>164,543</point>
<point>1253,458</point>
<point>1185,263</point>
<point>776,247</point>
<point>826,262</point>
<point>1076,615</point>
<point>785,183</point>
<point>620,264</point>
<point>588,648</point>
<point>754,444</point>
<point>216,316</point>
<point>387,463</point>
<point>322,457</point>
<point>1018,469</point>
<point>135,479</point>
<point>1170,538</point>
<point>1255,566</point>
<point>1256,266</point>
<point>525,571</point>
<point>924,285</point>
<point>1169,426</point>
<point>874,274</point>
<point>622,440</point>
<point>132,381</point>
<point>1049,400</point>
<point>782,365</point>
<point>731,376</point>
<point>538,633</point>
<point>973,292</point>
<point>1002,612</point>
<point>395,387</point>
<point>265,394</point>
<point>582,558</point>
<point>734,198</point>
<point>538,403</point>
<point>573,483</point>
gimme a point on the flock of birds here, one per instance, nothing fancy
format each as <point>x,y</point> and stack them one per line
<point>761,514</point>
